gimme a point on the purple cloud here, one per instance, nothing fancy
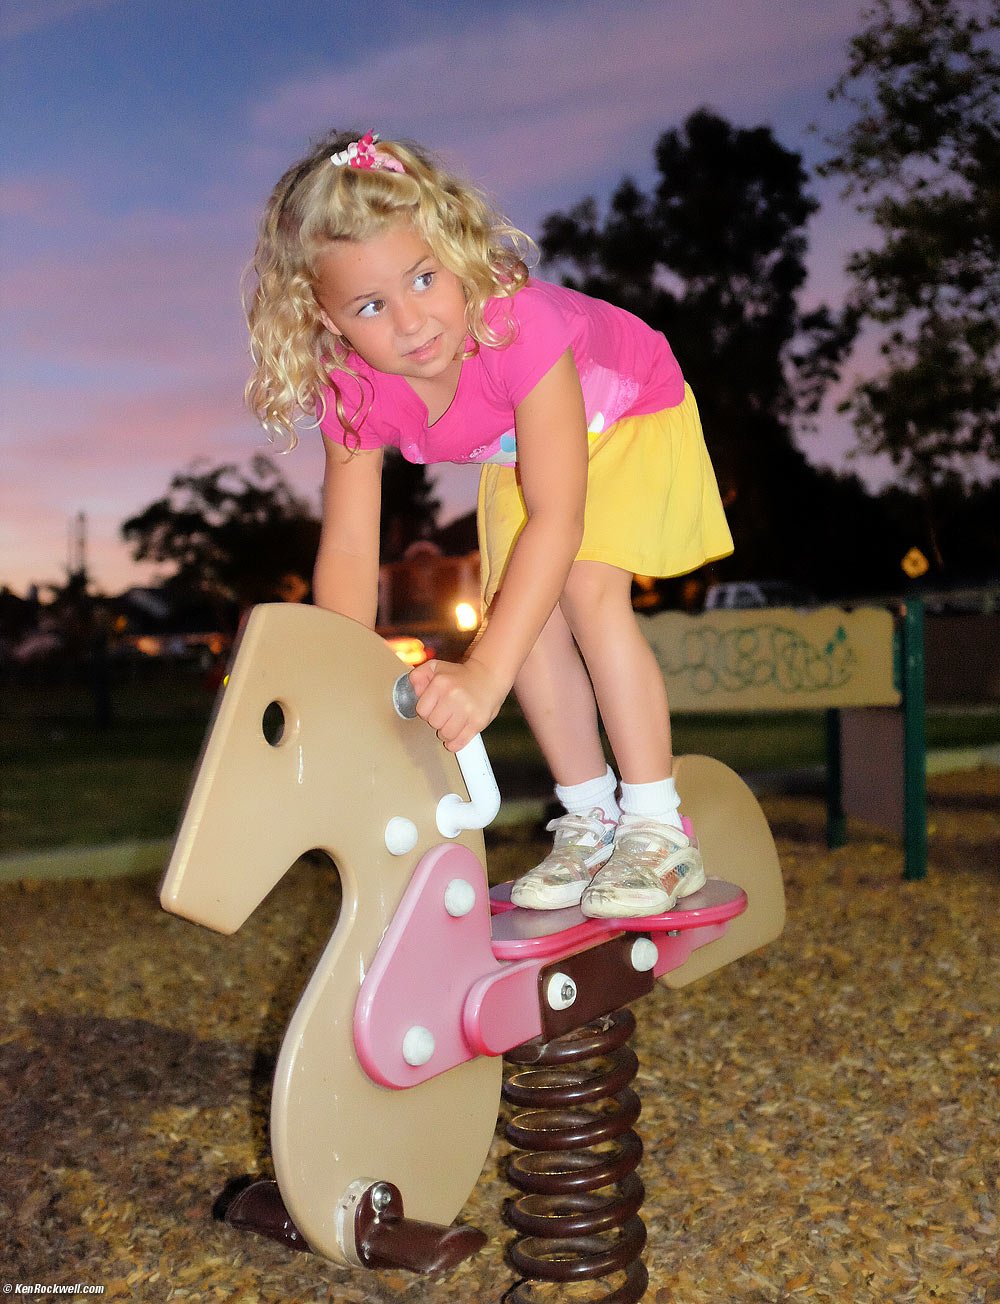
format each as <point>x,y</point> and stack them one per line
<point>549,98</point>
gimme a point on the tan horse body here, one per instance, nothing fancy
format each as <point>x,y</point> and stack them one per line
<point>306,751</point>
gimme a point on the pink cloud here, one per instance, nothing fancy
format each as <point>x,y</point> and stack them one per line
<point>159,289</point>
<point>43,200</point>
<point>110,457</point>
<point>123,364</point>
<point>38,543</point>
<point>144,434</point>
<point>22,16</point>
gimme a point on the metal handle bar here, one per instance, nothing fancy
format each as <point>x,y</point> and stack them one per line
<point>454,813</point>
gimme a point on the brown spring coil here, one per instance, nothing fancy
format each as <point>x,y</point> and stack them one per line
<point>578,1216</point>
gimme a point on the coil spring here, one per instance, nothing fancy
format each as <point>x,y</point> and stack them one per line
<point>578,1216</point>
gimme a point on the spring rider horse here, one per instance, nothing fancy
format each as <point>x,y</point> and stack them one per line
<point>384,1102</point>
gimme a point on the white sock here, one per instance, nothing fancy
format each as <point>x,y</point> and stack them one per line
<point>654,801</point>
<point>579,798</point>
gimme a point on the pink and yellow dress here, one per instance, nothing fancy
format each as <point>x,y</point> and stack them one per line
<point>653,505</point>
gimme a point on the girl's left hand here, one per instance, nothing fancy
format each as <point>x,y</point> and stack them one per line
<point>458,700</point>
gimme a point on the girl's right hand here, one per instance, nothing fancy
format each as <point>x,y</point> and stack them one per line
<point>458,700</point>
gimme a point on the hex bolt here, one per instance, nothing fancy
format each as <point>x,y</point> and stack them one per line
<point>381,1197</point>
<point>560,991</point>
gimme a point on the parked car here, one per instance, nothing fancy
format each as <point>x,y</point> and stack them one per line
<point>744,595</point>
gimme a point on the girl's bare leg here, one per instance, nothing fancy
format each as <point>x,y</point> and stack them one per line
<point>626,677</point>
<point>557,698</point>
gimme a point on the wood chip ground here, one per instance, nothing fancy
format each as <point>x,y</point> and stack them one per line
<point>820,1119</point>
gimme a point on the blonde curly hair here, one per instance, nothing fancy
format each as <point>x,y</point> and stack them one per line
<point>295,357</point>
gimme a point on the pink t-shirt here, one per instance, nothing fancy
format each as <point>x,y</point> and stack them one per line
<point>626,369</point>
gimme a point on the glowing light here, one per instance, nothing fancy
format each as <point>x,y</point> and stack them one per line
<point>411,651</point>
<point>466,616</point>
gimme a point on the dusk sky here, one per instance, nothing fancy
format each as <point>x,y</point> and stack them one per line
<point>141,137</point>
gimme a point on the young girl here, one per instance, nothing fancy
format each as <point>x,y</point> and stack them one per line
<point>393,300</point>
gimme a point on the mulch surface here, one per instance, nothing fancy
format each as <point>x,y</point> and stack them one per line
<point>820,1118</point>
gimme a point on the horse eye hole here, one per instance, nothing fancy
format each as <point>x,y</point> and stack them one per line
<point>273,723</point>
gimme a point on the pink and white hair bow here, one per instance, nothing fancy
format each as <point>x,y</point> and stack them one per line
<point>363,154</point>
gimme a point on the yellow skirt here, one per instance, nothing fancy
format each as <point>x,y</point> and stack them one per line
<point>653,504</point>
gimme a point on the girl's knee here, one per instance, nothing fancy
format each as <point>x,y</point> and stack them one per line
<point>593,590</point>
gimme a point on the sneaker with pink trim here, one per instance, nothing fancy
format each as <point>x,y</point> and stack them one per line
<point>582,845</point>
<point>653,865</point>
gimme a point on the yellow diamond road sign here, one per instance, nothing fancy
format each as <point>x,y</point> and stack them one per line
<point>915,564</point>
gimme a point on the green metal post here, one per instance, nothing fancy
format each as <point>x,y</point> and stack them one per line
<point>914,743</point>
<point>836,822</point>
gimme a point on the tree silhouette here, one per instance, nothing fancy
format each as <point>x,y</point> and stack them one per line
<point>922,160</point>
<point>238,533</point>
<point>409,508</point>
<point>715,258</point>
<point>228,532</point>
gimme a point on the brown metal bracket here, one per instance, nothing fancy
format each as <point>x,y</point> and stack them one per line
<point>385,1238</point>
<point>597,981</point>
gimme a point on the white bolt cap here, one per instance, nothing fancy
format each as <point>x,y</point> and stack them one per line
<point>459,898</point>
<point>560,991</point>
<point>400,835</point>
<point>418,1046</point>
<point>645,954</point>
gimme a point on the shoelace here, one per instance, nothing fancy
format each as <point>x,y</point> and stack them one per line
<point>578,829</point>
